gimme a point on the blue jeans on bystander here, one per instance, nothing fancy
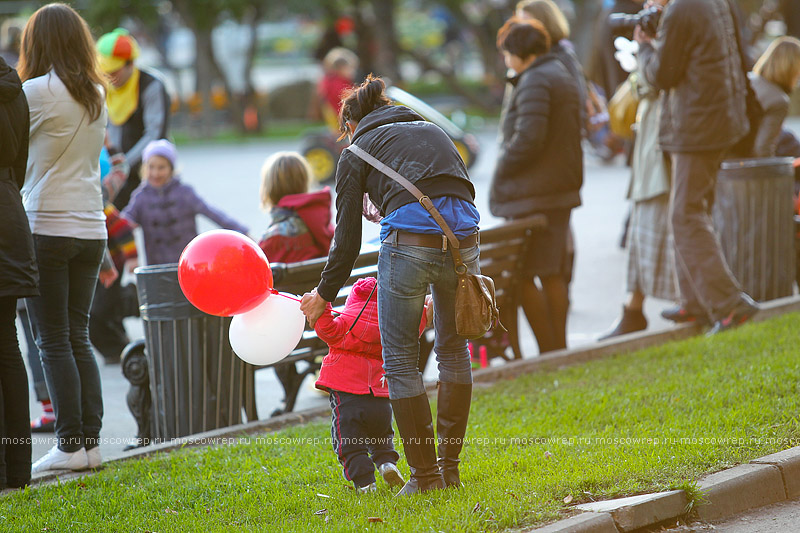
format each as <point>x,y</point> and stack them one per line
<point>68,270</point>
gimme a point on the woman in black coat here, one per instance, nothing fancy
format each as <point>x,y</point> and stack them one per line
<point>18,279</point>
<point>540,170</point>
<point>412,260</point>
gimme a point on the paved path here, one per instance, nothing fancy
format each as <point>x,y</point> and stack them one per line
<point>781,517</point>
<point>228,176</point>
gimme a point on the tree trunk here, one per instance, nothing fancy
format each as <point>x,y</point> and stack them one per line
<point>250,103</point>
<point>582,31</point>
<point>205,73</point>
<point>365,37</point>
<point>388,47</point>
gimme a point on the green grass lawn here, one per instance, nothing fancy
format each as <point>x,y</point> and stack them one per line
<point>647,421</point>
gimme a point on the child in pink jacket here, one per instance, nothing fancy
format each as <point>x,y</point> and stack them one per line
<point>352,373</point>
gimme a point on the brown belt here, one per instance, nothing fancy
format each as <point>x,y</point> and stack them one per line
<point>430,240</point>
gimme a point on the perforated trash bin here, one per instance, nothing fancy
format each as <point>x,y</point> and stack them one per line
<point>196,381</point>
<point>753,214</point>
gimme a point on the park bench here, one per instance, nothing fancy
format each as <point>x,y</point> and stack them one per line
<point>502,248</point>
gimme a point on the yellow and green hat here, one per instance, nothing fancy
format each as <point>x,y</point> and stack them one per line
<point>116,48</point>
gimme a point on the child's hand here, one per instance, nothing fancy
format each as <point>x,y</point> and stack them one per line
<point>429,309</point>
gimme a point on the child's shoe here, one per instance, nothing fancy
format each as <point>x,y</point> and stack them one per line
<point>372,487</point>
<point>391,474</point>
<point>44,423</point>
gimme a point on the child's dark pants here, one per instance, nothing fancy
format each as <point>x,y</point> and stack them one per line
<point>361,426</point>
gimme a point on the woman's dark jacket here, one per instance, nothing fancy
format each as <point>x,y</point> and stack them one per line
<point>418,150</point>
<point>18,274</point>
<point>696,60</point>
<point>541,161</point>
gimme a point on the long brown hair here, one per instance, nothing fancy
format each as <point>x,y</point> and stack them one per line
<point>57,38</point>
<point>361,101</point>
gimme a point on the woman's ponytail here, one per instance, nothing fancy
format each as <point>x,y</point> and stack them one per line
<point>361,101</point>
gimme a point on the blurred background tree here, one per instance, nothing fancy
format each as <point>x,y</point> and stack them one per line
<point>226,60</point>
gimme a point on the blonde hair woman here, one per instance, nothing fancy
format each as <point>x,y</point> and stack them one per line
<point>556,25</point>
<point>774,77</point>
<point>64,204</point>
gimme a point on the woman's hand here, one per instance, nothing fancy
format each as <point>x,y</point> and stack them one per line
<point>312,305</point>
<point>108,276</point>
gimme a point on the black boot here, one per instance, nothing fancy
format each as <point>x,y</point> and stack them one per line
<point>415,424</point>
<point>630,321</point>
<point>451,425</point>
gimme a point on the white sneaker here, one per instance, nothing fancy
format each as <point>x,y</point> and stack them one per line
<point>55,459</point>
<point>372,487</point>
<point>391,474</point>
<point>95,459</point>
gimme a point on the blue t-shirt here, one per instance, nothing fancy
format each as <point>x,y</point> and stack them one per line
<point>462,217</point>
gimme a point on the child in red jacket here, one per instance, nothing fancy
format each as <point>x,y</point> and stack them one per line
<point>301,225</point>
<point>352,372</point>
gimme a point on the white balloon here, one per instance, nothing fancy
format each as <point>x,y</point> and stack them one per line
<point>268,333</point>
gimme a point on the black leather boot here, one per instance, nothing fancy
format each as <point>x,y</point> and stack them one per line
<point>451,425</point>
<point>415,424</point>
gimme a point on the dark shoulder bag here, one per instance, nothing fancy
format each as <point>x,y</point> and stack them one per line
<point>476,306</point>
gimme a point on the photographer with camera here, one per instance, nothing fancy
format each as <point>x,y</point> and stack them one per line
<point>696,59</point>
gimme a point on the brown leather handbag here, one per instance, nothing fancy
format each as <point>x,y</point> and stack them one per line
<point>476,305</point>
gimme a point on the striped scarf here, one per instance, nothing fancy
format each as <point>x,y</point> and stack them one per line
<point>121,244</point>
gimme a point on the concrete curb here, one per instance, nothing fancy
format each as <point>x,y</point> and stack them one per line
<point>788,461</point>
<point>764,481</point>
<point>636,512</point>
<point>740,488</point>
<point>553,360</point>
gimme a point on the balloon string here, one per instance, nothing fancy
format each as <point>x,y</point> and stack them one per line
<point>351,315</point>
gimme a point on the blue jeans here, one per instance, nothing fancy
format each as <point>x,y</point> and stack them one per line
<point>68,271</point>
<point>34,361</point>
<point>404,274</point>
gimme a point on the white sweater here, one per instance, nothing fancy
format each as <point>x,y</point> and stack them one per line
<point>63,172</point>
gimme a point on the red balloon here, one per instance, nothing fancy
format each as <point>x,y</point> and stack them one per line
<point>224,273</point>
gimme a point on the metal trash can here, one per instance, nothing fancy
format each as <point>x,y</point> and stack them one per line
<point>753,214</point>
<point>196,381</point>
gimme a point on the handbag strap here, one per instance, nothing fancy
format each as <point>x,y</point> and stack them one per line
<point>423,199</point>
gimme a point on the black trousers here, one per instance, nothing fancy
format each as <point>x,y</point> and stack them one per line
<point>109,307</point>
<point>361,427</point>
<point>15,424</point>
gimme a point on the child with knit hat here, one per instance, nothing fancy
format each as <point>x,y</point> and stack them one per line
<point>165,207</point>
<point>352,373</point>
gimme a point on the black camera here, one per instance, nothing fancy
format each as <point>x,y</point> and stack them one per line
<point>647,19</point>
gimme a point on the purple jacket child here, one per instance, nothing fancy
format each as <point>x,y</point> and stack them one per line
<point>167,218</point>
